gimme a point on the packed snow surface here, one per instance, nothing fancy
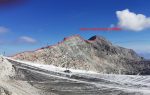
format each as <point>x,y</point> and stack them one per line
<point>38,79</point>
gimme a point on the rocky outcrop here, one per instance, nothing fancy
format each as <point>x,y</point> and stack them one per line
<point>96,54</point>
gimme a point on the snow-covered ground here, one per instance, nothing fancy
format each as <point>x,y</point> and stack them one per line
<point>80,82</point>
<point>52,67</point>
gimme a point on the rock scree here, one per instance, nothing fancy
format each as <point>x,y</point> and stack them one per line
<point>96,54</point>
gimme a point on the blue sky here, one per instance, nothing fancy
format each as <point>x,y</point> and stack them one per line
<point>36,23</point>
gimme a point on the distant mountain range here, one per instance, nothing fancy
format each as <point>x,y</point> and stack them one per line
<point>145,55</point>
<point>95,54</point>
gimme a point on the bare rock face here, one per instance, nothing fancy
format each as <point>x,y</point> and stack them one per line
<point>96,54</point>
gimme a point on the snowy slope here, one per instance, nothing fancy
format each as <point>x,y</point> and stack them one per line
<point>51,80</point>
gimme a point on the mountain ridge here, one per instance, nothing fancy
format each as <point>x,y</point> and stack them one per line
<point>95,54</point>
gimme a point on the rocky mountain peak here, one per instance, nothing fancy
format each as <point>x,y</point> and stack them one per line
<point>95,54</point>
<point>96,37</point>
<point>100,40</point>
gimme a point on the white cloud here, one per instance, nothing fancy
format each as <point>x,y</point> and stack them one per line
<point>132,21</point>
<point>3,29</point>
<point>26,39</point>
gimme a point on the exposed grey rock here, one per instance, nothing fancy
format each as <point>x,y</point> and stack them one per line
<point>96,54</point>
